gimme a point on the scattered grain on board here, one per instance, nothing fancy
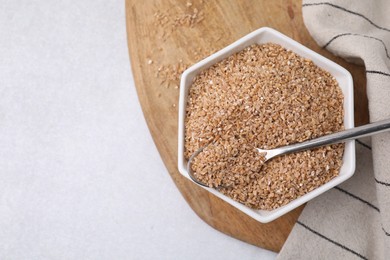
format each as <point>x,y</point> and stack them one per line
<point>166,22</point>
<point>171,18</point>
<point>263,96</point>
<point>170,74</point>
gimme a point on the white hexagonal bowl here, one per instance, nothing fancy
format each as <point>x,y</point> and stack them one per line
<point>344,78</point>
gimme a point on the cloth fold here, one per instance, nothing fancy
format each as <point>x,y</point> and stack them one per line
<point>352,221</point>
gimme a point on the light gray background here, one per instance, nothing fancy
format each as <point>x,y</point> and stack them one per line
<point>80,177</point>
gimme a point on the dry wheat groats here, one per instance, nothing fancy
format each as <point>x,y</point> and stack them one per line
<point>263,96</point>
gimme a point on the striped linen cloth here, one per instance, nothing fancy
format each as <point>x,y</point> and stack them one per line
<point>352,221</point>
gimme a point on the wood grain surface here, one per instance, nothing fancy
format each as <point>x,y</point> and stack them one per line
<point>165,36</point>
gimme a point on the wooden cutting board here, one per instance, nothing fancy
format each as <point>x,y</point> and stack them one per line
<point>166,36</point>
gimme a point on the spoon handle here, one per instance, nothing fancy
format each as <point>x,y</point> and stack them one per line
<point>349,134</point>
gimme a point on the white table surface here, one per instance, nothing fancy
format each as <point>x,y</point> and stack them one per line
<point>80,177</point>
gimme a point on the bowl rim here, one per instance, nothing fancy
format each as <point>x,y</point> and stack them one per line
<point>349,159</point>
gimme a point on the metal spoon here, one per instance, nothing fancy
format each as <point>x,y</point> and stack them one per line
<point>350,134</point>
